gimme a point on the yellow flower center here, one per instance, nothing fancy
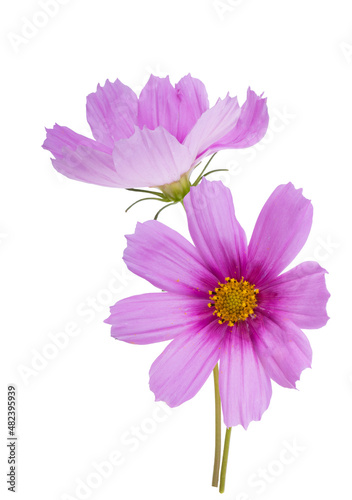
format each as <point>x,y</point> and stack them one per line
<point>233,301</point>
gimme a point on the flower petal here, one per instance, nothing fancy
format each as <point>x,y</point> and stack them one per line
<point>299,295</point>
<point>112,112</point>
<point>212,126</point>
<point>186,363</point>
<point>167,260</point>
<point>250,127</point>
<point>280,232</point>
<point>282,347</point>
<point>155,317</point>
<point>158,105</point>
<point>193,101</point>
<point>245,388</point>
<point>150,158</point>
<point>80,158</point>
<point>216,233</point>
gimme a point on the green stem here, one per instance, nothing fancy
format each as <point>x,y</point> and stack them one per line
<point>217,456</point>
<point>225,457</point>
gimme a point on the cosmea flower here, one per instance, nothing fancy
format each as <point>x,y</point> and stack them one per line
<point>225,300</point>
<point>157,139</point>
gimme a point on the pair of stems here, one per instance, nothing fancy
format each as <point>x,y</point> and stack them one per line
<point>217,457</point>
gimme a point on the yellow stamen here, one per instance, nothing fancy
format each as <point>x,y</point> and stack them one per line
<point>233,301</point>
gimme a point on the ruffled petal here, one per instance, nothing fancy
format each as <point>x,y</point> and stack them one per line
<point>155,317</point>
<point>186,363</point>
<point>280,232</point>
<point>158,105</point>
<point>299,295</point>
<point>282,347</point>
<point>245,388</point>
<point>251,126</point>
<point>80,158</point>
<point>212,126</point>
<point>58,138</point>
<point>112,112</point>
<point>193,101</point>
<point>167,260</point>
<point>216,233</point>
<point>150,158</point>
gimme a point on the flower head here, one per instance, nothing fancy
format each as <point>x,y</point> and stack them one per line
<point>157,139</point>
<point>225,300</point>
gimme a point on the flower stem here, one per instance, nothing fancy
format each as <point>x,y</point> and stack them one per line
<point>224,460</point>
<point>217,456</point>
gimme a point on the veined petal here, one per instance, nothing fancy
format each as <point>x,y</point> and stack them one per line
<point>216,233</point>
<point>299,295</point>
<point>212,126</point>
<point>167,260</point>
<point>186,363</point>
<point>58,138</point>
<point>158,105</point>
<point>150,158</point>
<point>282,347</point>
<point>280,232</point>
<point>112,112</point>
<point>155,317</point>
<point>245,387</point>
<point>80,158</point>
<point>193,101</point>
<point>251,126</point>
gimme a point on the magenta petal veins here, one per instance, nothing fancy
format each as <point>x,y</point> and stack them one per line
<point>156,139</point>
<point>225,301</point>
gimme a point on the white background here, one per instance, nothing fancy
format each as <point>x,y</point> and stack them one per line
<point>61,244</point>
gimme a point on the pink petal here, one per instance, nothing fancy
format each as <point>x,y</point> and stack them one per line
<point>280,232</point>
<point>299,295</point>
<point>60,137</point>
<point>282,347</point>
<point>167,260</point>
<point>216,233</point>
<point>155,317</point>
<point>212,126</point>
<point>250,127</point>
<point>186,363</point>
<point>245,388</point>
<point>112,112</point>
<point>150,158</point>
<point>193,101</point>
<point>158,105</point>
<point>80,158</point>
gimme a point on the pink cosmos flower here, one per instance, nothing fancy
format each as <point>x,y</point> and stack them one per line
<point>225,300</point>
<point>157,139</point>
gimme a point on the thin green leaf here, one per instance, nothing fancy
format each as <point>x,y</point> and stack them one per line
<point>158,212</point>
<point>217,170</point>
<point>196,182</point>
<point>142,199</point>
<point>146,191</point>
